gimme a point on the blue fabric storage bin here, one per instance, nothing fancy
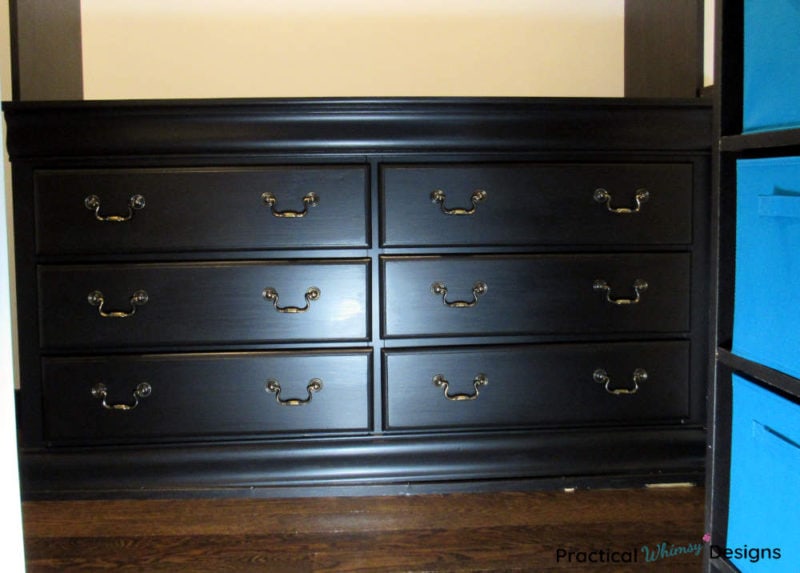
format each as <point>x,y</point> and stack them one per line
<point>764,503</point>
<point>771,65</point>
<point>766,308</point>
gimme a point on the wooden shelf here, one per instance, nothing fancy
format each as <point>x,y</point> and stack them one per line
<point>764,142</point>
<point>774,378</point>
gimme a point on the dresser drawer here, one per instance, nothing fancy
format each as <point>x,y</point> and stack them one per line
<point>157,210</point>
<point>522,204</point>
<point>105,306</point>
<point>571,384</point>
<point>537,294</point>
<point>198,395</point>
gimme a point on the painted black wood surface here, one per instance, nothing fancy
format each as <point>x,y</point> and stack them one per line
<point>202,303</point>
<point>201,209</point>
<point>530,294</point>
<point>206,395</point>
<point>206,247</point>
<point>538,385</point>
<point>537,204</point>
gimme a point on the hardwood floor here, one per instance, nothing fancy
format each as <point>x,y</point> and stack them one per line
<point>455,532</point>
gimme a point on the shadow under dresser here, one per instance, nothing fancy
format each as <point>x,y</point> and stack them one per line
<point>337,297</point>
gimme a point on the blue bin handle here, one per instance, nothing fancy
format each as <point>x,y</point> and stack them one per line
<point>779,206</point>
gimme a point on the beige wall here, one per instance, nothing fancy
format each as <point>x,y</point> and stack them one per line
<point>709,7</point>
<point>296,48</point>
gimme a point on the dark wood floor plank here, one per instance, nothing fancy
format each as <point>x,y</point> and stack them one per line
<point>167,553</point>
<point>459,533</point>
<point>497,548</point>
<point>490,548</point>
<point>246,516</point>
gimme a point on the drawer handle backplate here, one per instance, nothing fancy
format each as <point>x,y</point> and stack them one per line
<point>309,200</point>
<point>271,295</point>
<point>135,202</point>
<point>639,286</point>
<point>601,377</point>
<point>477,196</point>
<point>478,289</point>
<point>314,385</point>
<point>100,391</point>
<point>96,298</point>
<point>441,382</point>
<point>641,197</point>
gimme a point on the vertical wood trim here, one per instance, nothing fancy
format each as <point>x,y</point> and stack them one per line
<point>663,48</point>
<point>46,55</point>
<point>12,24</point>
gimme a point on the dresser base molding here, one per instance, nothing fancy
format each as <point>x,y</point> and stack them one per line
<point>370,466</point>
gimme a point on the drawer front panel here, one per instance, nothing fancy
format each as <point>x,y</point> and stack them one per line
<point>767,286</point>
<point>202,209</point>
<point>536,294</point>
<point>764,465</point>
<point>537,204</point>
<point>537,385</point>
<point>204,303</point>
<point>201,395</point>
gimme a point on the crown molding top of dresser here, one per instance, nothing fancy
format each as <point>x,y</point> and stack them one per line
<point>179,127</point>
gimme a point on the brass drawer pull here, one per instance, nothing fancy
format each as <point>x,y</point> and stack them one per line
<point>639,286</point>
<point>314,385</point>
<point>136,202</point>
<point>477,196</point>
<point>603,196</point>
<point>478,289</point>
<point>309,200</point>
<point>100,391</point>
<point>271,295</point>
<point>601,377</point>
<point>139,298</point>
<point>441,382</point>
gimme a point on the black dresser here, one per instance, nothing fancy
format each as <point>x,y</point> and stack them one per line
<point>308,297</point>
